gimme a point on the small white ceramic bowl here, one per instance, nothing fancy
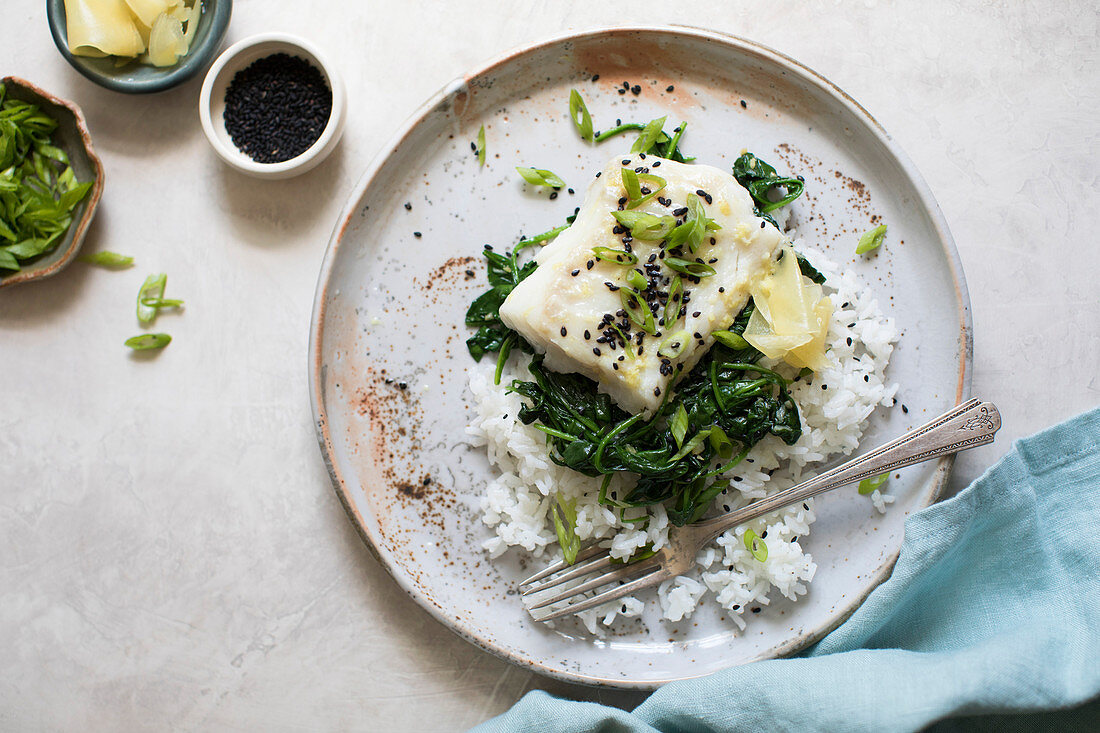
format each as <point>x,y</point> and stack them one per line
<point>237,57</point>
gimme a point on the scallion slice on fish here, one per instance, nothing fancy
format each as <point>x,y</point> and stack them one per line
<point>615,256</point>
<point>687,267</point>
<point>646,227</point>
<point>674,345</point>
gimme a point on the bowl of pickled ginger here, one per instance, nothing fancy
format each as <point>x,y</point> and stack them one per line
<point>138,46</point>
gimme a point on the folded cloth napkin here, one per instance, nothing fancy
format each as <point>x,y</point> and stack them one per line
<point>993,608</point>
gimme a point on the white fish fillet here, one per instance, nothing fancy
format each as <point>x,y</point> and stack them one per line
<point>568,295</point>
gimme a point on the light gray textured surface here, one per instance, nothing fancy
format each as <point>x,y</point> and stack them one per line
<point>171,553</point>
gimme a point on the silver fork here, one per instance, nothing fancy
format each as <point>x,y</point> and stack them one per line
<point>965,426</point>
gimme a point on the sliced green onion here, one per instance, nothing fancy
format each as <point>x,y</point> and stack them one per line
<point>636,280</point>
<point>107,259</point>
<point>675,296</point>
<point>615,256</point>
<point>656,184</point>
<point>729,338</point>
<point>674,345</point>
<point>869,485</point>
<point>626,341</point>
<point>678,425</point>
<point>631,184</point>
<point>540,177</point>
<point>148,341</point>
<point>687,267</point>
<point>638,311</point>
<point>755,545</point>
<point>643,226</point>
<point>692,231</point>
<point>153,287</point>
<point>161,302</point>
<point>649,136</point>
<point>871,240</point>
<point>721,442</point>
<point>674,141</point>
<point>564,512</point>
<point>481,146</point>
<point>584,122</point>
<point>692,445</point>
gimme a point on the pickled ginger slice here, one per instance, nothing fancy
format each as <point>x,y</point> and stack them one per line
<point>791,318</point>
<point>101,28</point>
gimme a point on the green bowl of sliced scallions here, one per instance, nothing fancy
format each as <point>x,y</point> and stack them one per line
<point>51,181</point>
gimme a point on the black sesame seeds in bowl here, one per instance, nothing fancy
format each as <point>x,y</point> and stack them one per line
<point>272,106</point>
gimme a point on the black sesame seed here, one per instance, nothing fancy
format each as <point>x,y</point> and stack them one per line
<point>636,89</point>
<point>866,378</point>
<point>418,235</point>
<point>563,331</point>
<point>721,290</point>
<point>696,314</point>
<point>276,108</point>
<point>571,191</point>
<point>575,273</point>
<point>615,365</point>
<point>595,77</point>
<point>669,88</point>
<point>622,91</point>
<point>762,224</point>
<point>408,206</point>
<point>656,163</point>
<point>553,195</point>
<point>656,391</point>
<point>737,607</point>
<point>756,609</point>
<point>590,264</point>
<point>744,104</point>
<point>473,146</point>
<point>587,334</point>
<point>904,409</point>
<point>599,173</point>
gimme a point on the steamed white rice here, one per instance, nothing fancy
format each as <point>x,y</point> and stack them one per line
<point>834,405</point>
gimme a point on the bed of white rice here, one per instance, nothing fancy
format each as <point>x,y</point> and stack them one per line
<point>834,405</point>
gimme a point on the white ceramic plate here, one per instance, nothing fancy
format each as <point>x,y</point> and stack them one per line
<point>387,351</point>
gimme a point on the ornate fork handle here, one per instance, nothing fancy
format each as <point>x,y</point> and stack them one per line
<point>968,425</point>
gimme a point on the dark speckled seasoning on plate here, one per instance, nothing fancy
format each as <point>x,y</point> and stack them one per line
<point>277,107</point>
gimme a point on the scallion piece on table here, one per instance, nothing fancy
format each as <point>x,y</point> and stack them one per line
<point>870,485</point>
<point>151,289</point>
<point>107,259</point>
<point>147,341</point>
<point>540,177</point>
<point>755,545</point>
<point>161,302</point>
<point>871,240</point>
<point>481,146</point>
<point>578,111</point>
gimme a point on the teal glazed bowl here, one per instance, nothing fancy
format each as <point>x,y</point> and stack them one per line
<point>135,78</point>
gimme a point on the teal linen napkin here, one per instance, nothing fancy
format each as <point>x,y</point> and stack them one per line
<point>993,608</point>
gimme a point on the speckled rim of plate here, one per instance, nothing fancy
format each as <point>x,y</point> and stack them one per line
<point>739,44</point>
